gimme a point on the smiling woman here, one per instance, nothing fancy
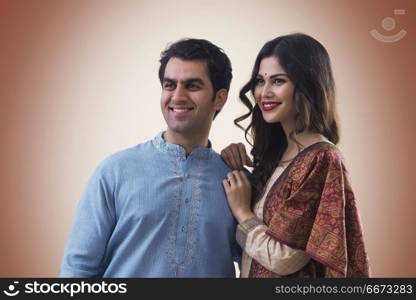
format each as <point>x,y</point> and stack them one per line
<point>274,92</point>
<point>297,212</point>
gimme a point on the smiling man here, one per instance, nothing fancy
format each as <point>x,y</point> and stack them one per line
<point>159,209</point>
<point>189,102</point>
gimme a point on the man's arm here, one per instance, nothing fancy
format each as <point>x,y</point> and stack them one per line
<point>93,224</point>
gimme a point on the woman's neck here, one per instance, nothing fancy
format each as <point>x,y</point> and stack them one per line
<point>297,142</point>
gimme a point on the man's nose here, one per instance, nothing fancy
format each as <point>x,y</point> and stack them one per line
<point>179,93</point>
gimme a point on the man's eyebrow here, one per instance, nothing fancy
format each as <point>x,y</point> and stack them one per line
<point>185,81</point>
<point>193,80</point>
<point>166,79</point>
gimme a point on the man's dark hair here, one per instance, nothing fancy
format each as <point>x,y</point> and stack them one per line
<point>219,65</point>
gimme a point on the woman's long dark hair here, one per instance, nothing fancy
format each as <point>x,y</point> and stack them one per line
<point>308,66</point>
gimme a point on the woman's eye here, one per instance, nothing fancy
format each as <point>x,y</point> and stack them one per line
<point>258,81</point>
<point>278,81</point>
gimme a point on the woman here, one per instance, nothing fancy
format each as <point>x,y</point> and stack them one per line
<point>303,221</point>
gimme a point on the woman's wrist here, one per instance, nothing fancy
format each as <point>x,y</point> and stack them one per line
<point>244,215</point>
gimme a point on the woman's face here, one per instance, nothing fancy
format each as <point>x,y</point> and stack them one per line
<point>274,92</point>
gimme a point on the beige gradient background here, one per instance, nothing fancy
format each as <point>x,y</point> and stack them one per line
<point>78,81</point>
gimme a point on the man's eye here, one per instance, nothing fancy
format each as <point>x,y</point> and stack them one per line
<point>168,85</point>
<point>192,86</point>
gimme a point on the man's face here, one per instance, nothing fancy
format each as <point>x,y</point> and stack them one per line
<point>187,99</point>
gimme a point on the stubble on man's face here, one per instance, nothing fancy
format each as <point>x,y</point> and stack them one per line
<point>187,97</point>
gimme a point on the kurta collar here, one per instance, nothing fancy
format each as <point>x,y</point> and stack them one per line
<point>177,150</point>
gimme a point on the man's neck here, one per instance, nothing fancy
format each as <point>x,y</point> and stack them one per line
<point>189,142</point>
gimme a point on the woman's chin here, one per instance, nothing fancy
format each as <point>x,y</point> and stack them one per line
<point>270,120</point>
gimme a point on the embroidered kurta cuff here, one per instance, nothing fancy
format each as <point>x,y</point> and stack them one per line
<point>244,228</point>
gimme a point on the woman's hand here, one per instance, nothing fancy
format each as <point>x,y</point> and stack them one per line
<point>238,190</point>
<point>235,156</point>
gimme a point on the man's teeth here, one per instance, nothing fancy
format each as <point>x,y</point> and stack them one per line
<point>181,109</point>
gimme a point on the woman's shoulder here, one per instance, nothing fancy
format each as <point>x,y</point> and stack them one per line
<point>313,164</point>
<point>322,151</point>
<point>318,156</point>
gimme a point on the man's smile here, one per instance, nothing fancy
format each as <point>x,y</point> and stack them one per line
<point>178,110</point>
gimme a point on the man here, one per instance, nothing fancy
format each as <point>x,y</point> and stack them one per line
<point>159,209</point>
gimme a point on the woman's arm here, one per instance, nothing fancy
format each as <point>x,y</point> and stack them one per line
<point>273,255</point>
<point>251,231</point>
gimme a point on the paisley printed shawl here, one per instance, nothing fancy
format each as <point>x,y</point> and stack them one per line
<point>312,207</point>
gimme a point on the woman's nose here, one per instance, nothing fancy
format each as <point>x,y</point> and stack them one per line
<point>266,92</point>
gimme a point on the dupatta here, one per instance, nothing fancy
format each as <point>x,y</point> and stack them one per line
<point>312,207</point>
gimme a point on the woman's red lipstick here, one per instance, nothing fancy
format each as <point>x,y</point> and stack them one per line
<point>268,105</point>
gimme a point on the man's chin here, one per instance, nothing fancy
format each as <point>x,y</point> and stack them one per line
<point>182,129</point>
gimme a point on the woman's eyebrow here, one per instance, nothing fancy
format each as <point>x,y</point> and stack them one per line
<point>274,75</point>
<point>279,74</point>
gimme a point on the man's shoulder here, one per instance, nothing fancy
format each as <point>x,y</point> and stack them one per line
<point>127,156</point>
<point>218,162</point>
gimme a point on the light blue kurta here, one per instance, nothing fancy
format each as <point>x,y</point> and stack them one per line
<point>150,211</point>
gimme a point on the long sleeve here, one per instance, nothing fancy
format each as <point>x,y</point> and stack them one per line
<point>93,225</point>
<point>274,256</point>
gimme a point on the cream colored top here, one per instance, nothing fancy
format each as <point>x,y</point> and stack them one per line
<point>271,254</point>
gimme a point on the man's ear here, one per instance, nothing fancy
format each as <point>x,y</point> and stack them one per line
<point>220,99</point>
